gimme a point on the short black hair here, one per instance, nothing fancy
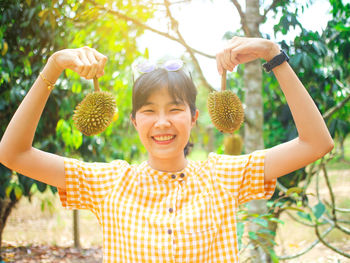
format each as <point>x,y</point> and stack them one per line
<point>179,84</point>
<point>180,87</point>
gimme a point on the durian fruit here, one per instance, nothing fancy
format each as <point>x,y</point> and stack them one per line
<point>233,144</point>
<point>96,111</point>
<point>225,109</point>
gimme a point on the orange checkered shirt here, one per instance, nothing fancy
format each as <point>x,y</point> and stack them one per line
<point>153,216</point>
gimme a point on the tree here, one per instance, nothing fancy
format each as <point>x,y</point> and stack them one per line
<point>321,61</point>
<point>24,43</point>
<point>30,32</point>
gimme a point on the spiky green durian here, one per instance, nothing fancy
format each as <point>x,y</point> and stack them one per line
<point>95,112</point>
<point>233,144</point>
<point>225,110</point>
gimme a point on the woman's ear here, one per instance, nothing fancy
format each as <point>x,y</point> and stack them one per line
<point>195,117</point>
<point>133,120</point>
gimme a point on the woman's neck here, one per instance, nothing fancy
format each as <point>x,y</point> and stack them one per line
<point>168,165</point>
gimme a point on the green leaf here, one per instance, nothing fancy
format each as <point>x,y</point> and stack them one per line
<point>240,229</point>
<point>18,191</point>
<point>273,256</point>
<point>240,232</point>
<point>267,231</point>
<point>252,235</point>
<point>41,186</point>
<point>304,216</point>
<point>146,54</point>
<point>293,208</point>
<point>342,28</point>
<point>260,221</point>
<point>8,190</point>
<point>42,12</point>
<point>267,237</point>
<point>52,20</point>
<point>307,61</point>
<point>319,210</point>
<point>77,139</point>
<point>297,190</point>
<point>76,88</point>
<point>277,220</point>
<point>27,67</point>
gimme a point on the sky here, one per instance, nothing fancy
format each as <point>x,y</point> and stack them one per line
<point>203,24</point>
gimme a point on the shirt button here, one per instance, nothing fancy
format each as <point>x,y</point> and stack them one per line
<point>182,175</point>
<point>170,231</point>
<point>173,176</point>
<point>171,210</point>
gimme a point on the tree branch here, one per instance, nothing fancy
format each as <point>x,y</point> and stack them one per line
<point>243,18</point>
<point>146,27</point>
<point>334,109</point>
<point>273,5</point>
<point>299,221</point>
<point>324,242</point>
<point>312,245</point>
<point>175,27</point>
<point>328,183</point>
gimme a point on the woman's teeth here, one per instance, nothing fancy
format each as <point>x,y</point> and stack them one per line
<point>164,138</point>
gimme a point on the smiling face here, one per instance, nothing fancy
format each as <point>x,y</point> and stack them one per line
<point>164,127</point>
<point>164,113</point>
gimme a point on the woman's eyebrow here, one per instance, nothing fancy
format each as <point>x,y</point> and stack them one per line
<point>177,103</point>
<point>147,103</point>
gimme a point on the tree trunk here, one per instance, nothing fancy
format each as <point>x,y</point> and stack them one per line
<point>253,139</point>
<point>76,232</point>
<point>6,206</point>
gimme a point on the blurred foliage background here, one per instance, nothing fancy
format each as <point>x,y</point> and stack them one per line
<point>31,30</point>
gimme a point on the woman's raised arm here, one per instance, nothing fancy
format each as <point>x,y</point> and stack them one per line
<point>16,151</point>
<point>314,139</point>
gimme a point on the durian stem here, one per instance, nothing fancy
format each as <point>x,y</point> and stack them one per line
<point>96,86</point>
<point>223,80</point>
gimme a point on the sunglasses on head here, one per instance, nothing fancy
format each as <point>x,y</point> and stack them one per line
<point>148,66</point>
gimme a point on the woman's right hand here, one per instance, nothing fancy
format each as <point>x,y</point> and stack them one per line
<point>86,61</point>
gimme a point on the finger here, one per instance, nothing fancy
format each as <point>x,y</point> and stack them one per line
<point>244,54</point>
<point>86,62</point>
<point>227,59</point>
<point>94,65</point>
<point>235,60</point>
<point>218,63</point>
<point>101,65</point>
<point>225,62</point>
<point>78,65</point>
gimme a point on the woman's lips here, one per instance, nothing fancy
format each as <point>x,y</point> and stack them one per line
<point>163,139</point>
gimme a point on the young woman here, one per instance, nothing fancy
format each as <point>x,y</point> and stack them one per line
<point>166,209</point>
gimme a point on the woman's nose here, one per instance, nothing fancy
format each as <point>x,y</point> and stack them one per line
<point>162,121</point>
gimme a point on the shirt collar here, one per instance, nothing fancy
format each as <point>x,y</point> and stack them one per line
<point>167,176</point>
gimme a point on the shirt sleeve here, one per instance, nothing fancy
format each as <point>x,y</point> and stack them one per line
<point>88,183</point>
<point>243,175</point>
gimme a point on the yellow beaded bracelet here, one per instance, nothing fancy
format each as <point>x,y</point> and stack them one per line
<point>50,86</point>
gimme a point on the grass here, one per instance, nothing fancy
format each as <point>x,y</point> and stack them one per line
<point>29,224</point>
<point>293,237</point>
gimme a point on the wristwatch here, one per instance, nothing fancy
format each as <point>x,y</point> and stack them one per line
<point>276,61</point>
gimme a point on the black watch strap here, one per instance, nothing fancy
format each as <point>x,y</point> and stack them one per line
<point>276,61</point>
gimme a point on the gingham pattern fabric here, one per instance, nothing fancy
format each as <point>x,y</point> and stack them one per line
<point>152,216</point>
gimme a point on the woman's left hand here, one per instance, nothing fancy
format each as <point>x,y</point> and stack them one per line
<point>242,50</point>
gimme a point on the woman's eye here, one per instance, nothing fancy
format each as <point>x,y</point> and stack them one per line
<point>176,109</point>
<point>147,111</point>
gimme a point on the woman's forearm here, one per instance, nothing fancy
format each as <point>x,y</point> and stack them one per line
<point>308,120</point>
<point>19,134</point>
